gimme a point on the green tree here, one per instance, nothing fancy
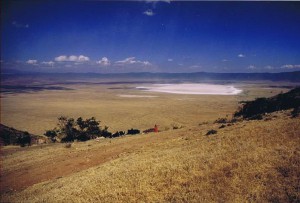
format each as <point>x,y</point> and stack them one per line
<point>52,134</point>
<point>68,129</point>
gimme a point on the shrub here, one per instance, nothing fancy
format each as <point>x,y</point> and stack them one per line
<point>222,126</point>
<point>176,126</point>
<point>68,145</point>
<point>24,139</point>
<point>133,131</point>
<point>211,132</point>
<point>234,120</point>
<point>118,134</point>
<point>295,112</point>
<point>256,117</point>
<point>203,123</point>
<point>51,134</point>
<point>221,120</point>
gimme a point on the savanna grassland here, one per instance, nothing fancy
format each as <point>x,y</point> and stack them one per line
<point>248,161</point>
<point>37,111</point>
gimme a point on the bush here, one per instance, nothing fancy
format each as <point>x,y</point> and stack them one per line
<point>51,134</point>
<point>295,112</point>
<point>68,145</point>
<point>256,117</point>
<point>176,126</point>
<point>24,139</point>
<point>211,132</point>
<point>221,120</point>
<point>234,120</point>
<point>203,123</point>
<point>222,126</point>
<point>133,131</point>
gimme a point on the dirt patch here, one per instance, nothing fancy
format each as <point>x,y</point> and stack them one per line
<point>71,161</point>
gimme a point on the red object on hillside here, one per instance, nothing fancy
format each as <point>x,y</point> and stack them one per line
<point>156,128</point>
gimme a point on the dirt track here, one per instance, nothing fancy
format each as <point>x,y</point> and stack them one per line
<point>71,160</point>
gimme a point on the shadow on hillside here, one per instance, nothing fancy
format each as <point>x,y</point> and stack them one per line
<point>11,89</point>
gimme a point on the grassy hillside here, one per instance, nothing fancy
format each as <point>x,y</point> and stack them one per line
<point>244,162</point>
<point>259,106</point>
<point>11,136</point>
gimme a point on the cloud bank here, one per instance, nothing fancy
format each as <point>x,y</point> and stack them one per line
<point>104,61</point>
<point>72,58</point>
<point>289,66</point>
<point>149,12</point>
<point>31,61</point>
<point>19,25</point>
<point>131,60</point>
<point>49,63</point>
<point>154,1</point>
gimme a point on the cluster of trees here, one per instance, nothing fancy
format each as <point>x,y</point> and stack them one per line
<point>69,129</point>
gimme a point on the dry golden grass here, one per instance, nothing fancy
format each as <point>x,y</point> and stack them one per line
<point>251,161</point>
<point>38,112</point>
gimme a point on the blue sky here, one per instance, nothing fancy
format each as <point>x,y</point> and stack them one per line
<point>150,36</point>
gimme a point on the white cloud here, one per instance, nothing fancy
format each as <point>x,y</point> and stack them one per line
<point>131,60</point>
<point>19,25</point>
<point>251,67</point>
<point>31,61</point>
<point>128,60</point>
<point>146,63</point>
<point>170,60</point>
<point>82,58</point>
<point>241,55</point>
<point>72,58</point>
<point>48,63</point>
<point>149,12</point>
<point>289,66</point>
<point>154,1</point>
<point>194,67</point>
<point>269,67</point>
<point>225,60</point>
<point>104,61</point>
<point>61,58</point>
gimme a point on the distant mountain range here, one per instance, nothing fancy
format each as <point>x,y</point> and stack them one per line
<point>193,77</point>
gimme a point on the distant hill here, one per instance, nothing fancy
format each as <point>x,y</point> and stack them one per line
<point>191,77</point>
<point>284,76</point>
<point>11,136</point>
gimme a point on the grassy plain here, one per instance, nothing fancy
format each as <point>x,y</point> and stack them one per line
<point>250,161</point>
<point>37,112</point>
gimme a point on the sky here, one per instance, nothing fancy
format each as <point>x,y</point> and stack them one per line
<point>149,36</point>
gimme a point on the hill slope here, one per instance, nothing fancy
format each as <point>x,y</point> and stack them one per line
<point>11,136</point>
<point>246,161</point>
<point>279,102</point>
